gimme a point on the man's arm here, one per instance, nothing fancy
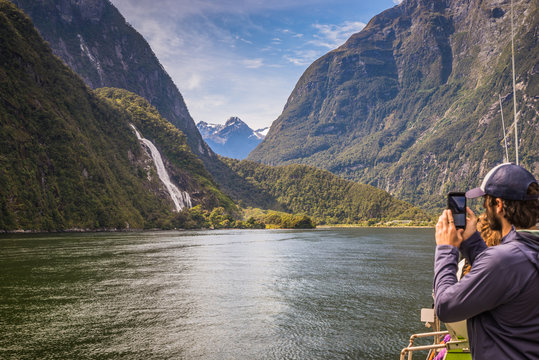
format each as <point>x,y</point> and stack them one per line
<point>455,300</point>
<point>472,247</point>
<point>484,288</point>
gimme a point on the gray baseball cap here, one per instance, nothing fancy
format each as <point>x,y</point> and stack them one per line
<point>506,181</point>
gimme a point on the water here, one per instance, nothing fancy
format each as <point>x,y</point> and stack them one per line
<point>180,198</point>
<point>230,294</point>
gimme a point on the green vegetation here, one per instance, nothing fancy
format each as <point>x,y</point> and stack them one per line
<point>278,219</point>
<point>414,110</point>
<point>99,45</point>
<point>218,218</point>
<point>68,158</point>
<point>186,169</point>
<point>328,199</point>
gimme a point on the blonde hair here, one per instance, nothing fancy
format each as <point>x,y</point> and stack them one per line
<point>491,237</point>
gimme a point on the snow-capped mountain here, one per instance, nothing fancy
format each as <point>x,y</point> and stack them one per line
<point>234,139</point>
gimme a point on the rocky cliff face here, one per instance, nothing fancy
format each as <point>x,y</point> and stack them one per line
<point>69,157</point>
<point>94,40</point>
<point>234,139</point>
<point>410,104</point>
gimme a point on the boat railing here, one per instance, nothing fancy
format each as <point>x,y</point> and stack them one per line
<point>411,348</point>
<point>457,343</point>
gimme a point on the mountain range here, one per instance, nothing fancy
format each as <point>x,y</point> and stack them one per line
<point>76,158</point>
<point>234,139</point>
<point>411,104</point>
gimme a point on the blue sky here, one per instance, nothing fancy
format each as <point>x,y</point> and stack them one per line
<point>243,57</point>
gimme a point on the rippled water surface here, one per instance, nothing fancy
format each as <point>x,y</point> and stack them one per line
<point>234,294</point>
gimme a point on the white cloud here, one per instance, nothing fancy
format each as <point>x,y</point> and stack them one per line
<point>291,33</point>
<point>208,101</point>
<point>302,57</point>
<point>326,37</point>
<point>193,82</point>
<point>397,1</point>
<point>213,63</point>
<point>186,8</point>
<point>332,36</point>
<point>253,63</point>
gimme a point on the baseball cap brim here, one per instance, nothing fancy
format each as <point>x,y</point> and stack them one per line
<point>475,193</point>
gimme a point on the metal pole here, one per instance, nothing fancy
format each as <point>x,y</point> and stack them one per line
<point>514,85</point>
<point>504,136</point>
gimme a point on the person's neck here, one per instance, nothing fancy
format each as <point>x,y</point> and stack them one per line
<point>506,227</point>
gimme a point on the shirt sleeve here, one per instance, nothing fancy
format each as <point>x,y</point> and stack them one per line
<point>472,247</point>
<point>483,289</point>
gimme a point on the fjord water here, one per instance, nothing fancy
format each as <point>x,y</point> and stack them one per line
<point>231,294</point>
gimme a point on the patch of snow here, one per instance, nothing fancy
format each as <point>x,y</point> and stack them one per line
<point>261,133</point>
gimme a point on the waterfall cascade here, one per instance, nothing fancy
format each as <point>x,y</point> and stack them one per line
<point>180,198</point>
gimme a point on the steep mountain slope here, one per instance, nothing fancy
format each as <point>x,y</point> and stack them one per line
<point>410,104</point>
<point>93,39</point>
<point>317,193</point>
<point>234,139</point>
<point>69,159</point>
<point>183,166</point>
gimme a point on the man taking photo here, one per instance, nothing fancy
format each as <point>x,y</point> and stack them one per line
<point>500,295</point>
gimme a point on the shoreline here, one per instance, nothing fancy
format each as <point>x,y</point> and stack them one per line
<point>326,226</point>
<point>343,226</point>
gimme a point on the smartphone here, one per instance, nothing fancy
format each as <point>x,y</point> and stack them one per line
<point>456,202</point>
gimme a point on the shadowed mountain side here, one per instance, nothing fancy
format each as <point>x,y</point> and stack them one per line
<point>410,104</point>
<point>93,39</point>
<point>69,159</point>
<point>245,192</point>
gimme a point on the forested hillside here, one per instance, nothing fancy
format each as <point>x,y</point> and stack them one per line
<point>186,169</point>
<point>68,158</point>
<point>94,39</point>
<point>411,103</point>
<point>317,193</point>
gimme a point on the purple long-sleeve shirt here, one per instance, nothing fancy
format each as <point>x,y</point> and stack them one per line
<point>499,297</point>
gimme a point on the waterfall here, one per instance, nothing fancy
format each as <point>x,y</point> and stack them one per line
<point>180,198</point>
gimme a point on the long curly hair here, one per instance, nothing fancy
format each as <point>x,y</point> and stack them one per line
<point>491,237</point>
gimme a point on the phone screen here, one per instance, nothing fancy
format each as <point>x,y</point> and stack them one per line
<point>456,202</point>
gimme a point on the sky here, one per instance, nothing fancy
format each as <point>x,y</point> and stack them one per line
<point>243,57</point>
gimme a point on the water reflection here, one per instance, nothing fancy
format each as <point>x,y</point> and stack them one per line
<point>323,294</point>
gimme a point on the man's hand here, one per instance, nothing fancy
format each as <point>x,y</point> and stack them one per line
<point>471,224</point>
<point>446,232</point>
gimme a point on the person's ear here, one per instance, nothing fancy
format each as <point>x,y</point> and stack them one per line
<point>499,206</point>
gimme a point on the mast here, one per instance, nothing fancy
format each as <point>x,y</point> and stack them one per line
<point>514,86</point>
<point>503,126</point>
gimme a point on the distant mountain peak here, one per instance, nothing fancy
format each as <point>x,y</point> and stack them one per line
<point>235,121</point>
<point>234,139</point>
